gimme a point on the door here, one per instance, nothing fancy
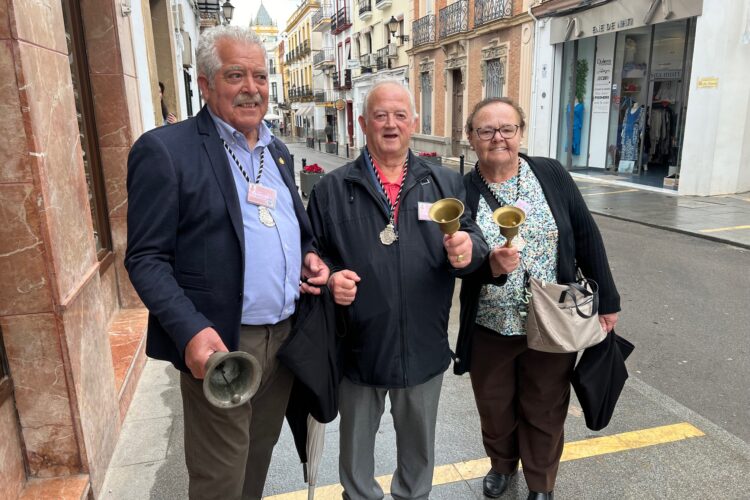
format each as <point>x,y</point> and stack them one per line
<point>350,122</point>
<point>458,113</point>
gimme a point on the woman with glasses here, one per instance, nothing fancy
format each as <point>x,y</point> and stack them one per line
<point>522,395</point>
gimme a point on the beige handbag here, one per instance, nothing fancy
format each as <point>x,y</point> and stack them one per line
<point>563,317</point>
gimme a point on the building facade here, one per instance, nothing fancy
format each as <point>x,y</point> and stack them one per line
<point>268,32</point>
<point>378,53</point>
<point>651,103</point>
<point>80,84</point>
<point>300,38</point>
<point>463,51</point>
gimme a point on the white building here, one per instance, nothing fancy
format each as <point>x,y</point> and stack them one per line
<point>656,88</point>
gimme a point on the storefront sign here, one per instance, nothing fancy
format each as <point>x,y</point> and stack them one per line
<point>618,16</point>
<point>667,74</point>
<point>708,82</point>
<point>352,63</point>
<point>602,85</point>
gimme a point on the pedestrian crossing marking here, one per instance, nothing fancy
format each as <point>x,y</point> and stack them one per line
<point>721,229</point>
<point>576,450</point>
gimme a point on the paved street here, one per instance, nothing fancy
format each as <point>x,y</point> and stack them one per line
<point>681,429</point>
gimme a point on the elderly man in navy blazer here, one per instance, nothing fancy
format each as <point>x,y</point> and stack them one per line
<point>219,249</point>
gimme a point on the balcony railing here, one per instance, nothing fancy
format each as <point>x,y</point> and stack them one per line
<point>323,56</point>
<point>423,30</point>
<point>382,4</point>
<point>454,18</point>
<point>342,21</point>
<point>383,62</point>
<point>322,17</point>
<point>347,81</point>
<point>365,7</point>
<point>325,95</point>
<point>490,10</point>
<point>301,93</point>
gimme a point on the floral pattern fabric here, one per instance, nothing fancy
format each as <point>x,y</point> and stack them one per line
<point>499,306</point>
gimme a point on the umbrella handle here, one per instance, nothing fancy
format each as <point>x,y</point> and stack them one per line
<point>304,471</point>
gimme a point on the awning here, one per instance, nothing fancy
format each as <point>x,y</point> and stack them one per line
<point>271,117</point>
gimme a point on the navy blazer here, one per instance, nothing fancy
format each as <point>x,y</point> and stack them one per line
<point>185,251</point>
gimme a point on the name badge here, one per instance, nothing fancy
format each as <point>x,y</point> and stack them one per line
<point>524,205</point>
<point>423,210</point>
<point>260,195</point>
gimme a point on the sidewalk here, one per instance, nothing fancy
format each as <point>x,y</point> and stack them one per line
<point>149,459</point>
<point>725,219</point>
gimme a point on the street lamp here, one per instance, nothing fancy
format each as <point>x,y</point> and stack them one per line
<point>393,25</point>
<point>228,11</point>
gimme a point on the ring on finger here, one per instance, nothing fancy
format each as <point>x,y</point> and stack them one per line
<point>460,257</point>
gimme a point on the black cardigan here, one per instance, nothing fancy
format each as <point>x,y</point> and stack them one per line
<point>579,245</point>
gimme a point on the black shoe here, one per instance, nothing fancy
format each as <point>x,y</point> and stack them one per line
<point>534,495</point>
<point>495,484</point>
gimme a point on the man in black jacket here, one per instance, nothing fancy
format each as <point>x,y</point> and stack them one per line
<point>394,272</point>
<point>218,240</point>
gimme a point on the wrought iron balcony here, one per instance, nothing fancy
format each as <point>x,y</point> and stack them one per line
<point>324,57</point>
<point>346,83</point>
<point>383,62</point>
<point>423,30</point>
<point>325,95</point>
<point>454,18</point>
<point>342,22</point>
<point>365,9</point>
<point>321,19</point>
<point>486,11</point>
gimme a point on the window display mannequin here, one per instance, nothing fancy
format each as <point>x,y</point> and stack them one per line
<point>577,126</point>
<point>630,136</point>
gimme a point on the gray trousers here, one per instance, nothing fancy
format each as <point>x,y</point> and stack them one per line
<point>414,411</point>
<point>228,451</point>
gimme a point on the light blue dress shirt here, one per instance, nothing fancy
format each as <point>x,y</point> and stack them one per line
<point>273,255</point>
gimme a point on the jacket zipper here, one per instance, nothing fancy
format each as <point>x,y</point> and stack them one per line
<point>402,307</point>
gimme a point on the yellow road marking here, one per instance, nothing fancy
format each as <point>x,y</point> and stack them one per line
<point>475,469</point>
<point>720,229</point>
<point>611,192</point>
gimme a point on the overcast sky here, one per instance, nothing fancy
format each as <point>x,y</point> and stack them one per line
<point>279,10</point>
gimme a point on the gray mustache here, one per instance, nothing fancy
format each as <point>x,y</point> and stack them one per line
<point>247,99</point>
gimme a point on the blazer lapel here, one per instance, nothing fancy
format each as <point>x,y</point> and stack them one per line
<point>220,165</point>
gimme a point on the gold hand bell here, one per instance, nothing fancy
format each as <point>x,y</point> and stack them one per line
<point>447,213</point>
<point>509,218</point>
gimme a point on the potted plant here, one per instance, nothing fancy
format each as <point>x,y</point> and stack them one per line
<point>309,175</point>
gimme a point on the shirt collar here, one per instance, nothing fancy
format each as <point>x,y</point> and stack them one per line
<point>234,137</point>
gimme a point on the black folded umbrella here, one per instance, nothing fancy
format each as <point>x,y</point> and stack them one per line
<point>311,353</point>
<point>599,377</point>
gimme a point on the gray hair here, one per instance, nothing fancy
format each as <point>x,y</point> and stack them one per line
<point>495,100</point>
<point>389,81</point>
<point>207,55</point>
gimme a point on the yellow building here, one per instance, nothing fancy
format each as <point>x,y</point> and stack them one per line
<point>300,38</point>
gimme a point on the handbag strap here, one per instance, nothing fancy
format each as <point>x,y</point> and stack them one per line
<point>581,288</point>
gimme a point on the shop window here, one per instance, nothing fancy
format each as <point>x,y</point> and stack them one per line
<point>495,79</point>
<point>575,103</point>
<point>5,384</point>
<point>645,127</point>
<point>87,127</point>
<point>426,107</point>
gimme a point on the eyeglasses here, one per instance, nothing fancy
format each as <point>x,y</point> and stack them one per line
<point>506,132</point>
